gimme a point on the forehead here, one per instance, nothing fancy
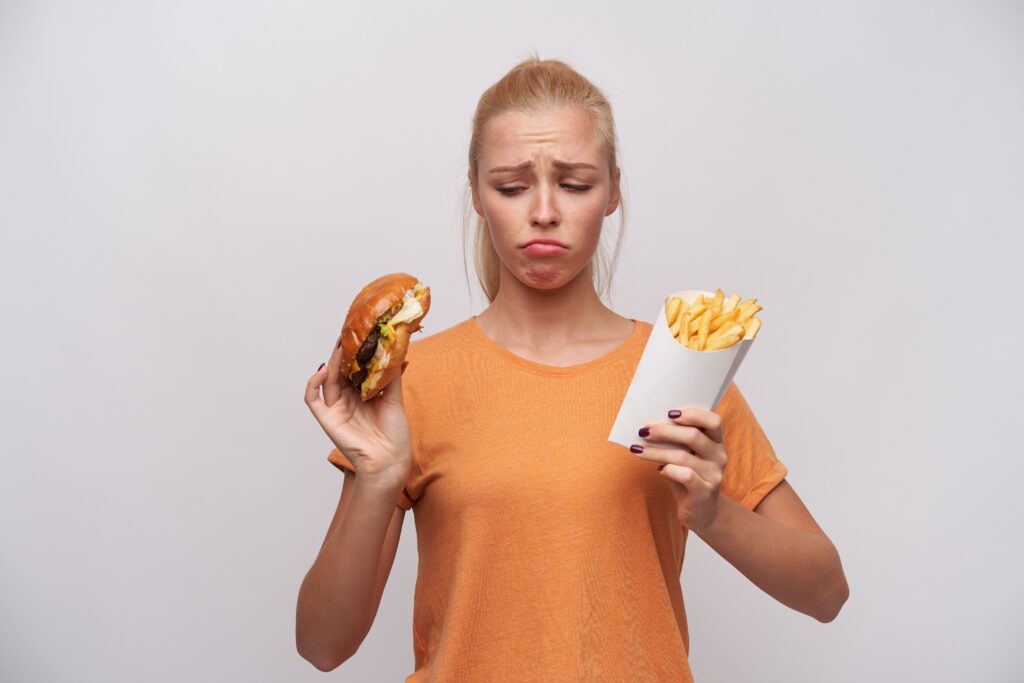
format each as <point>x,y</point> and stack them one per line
<point>567,131</point>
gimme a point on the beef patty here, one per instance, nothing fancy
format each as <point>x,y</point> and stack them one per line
<point>369,347</point>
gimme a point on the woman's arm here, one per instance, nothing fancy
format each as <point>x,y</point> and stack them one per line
<point>781,549</point>
<point>340,594</point>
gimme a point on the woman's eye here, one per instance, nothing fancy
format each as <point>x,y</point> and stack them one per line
<point>574,188</point>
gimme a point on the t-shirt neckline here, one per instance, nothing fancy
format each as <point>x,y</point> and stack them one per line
<point>633,340</point>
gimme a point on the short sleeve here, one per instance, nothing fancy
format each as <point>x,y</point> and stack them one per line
<point>336,458</point>
<point>752,469</point>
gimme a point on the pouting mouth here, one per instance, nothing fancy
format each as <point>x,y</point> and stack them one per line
<point>545,241</point>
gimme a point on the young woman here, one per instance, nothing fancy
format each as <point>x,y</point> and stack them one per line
<point>546,552</point>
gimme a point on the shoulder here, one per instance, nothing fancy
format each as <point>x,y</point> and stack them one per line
<point>447,340</point>
<point>738,418</point>
<point>643,333</point>
<point>733,402</point>
<point>434,378</point>
<point>645,326</point>
<point>429,354</point>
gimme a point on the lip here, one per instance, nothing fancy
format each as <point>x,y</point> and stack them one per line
<point>544,240</point>
<point>544,249</point>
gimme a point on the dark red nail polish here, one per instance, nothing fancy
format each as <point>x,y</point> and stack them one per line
<point>644,431</point>
<point>674,413</point>
<point>321,367</point>
<point>661,466</point>
<point>636,448</point>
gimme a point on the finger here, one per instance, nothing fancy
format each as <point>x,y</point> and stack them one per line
<point>333,385</point>
<point>312,396</point>
<point>686,476</point>
<point>391,394</point>
<point>707,420</point>
<point>693,438</point>
<point>707,472</point>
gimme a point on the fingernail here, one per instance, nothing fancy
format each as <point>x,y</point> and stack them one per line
<point>661,466</point>
<point>644,431</point>
<point>674,413</point>
<point>636,448</point>
<point>321,367</point>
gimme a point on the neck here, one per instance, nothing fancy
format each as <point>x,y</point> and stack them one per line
<point>530,317</point>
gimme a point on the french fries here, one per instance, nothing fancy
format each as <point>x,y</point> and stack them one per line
<point>712,324</point>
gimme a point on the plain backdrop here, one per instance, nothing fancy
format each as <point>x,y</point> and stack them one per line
<point>192,192</point>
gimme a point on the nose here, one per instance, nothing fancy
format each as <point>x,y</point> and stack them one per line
<point>544,213</point>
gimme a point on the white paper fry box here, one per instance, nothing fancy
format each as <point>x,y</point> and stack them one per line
<point>669,375</point>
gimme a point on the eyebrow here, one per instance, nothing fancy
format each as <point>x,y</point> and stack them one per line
<point>557,163</point>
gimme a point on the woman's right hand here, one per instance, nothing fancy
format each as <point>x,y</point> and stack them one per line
<point>373,435</point>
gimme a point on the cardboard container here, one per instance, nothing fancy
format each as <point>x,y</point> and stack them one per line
<point>669,375</point>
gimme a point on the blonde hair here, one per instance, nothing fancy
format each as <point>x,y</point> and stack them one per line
<point>535,85</point>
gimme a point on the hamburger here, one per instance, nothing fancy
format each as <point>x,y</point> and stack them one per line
<point>375,336</point>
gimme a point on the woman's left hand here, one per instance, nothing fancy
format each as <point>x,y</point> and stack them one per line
<point>691,448</point>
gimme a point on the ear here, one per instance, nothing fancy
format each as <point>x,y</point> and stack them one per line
<point>613,202</point>
<point>476,195</point>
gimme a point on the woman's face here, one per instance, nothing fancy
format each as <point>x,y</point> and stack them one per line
<point>544,176</point>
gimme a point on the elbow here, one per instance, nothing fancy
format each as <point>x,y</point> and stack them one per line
<point>326,665</point>
<point>323,661</point>
<point>320,655</point>
<point>322,664</point>
<point>832,608</point>
<point>834,599</point>
<point>323,651</point>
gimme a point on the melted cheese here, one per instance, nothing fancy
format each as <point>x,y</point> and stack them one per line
<point>411,310</point>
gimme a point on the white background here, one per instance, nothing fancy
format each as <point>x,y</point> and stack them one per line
<point>191,193</point>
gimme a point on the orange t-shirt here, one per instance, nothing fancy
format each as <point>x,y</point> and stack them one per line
<point>547,552</point>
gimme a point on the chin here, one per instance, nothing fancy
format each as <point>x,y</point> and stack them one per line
<point>543,276</point>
